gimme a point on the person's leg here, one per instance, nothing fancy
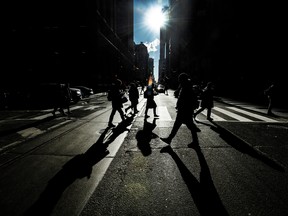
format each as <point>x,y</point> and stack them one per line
<point>111,117</point>
<point>198,111</point>
<point>61,110</point>
<point>146,112</point>
<point>269,111</point>
<point>192,127</point>
<point>54,110</point>
<point>154,112</point>
<point>176,126</point>
<point>209,114</point>
<point>135,108</point>
<point>121,113</point>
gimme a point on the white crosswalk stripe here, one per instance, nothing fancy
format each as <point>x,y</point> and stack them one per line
<point>163,113</point>
<point>233,115</point>
<point>91,107</point>
<point>229,112</point>
<point>263,118</point>
<point>215,117</point>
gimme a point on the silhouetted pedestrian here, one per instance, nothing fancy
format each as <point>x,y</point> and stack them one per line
<point>207,101</point>
<point>116,98</point>
<point>67,97</point>
<point>150,104</point>
<point>269,92</point>
<point>142,89</point>
<point>187,100</point>
<point>133,97</point>
<point>59,99</point>
<point>166,85</point>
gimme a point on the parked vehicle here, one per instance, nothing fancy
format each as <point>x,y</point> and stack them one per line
<point>76,95</point>
<point>86,91</point>
<point>160,88</point>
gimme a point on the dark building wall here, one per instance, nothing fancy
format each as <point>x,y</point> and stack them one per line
<point>48,41</point>
<point>236,44</point>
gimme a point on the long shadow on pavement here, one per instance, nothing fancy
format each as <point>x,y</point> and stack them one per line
<point>203,192</point>
<point>78,167</point>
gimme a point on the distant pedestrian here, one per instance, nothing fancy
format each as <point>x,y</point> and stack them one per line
<point>166,85</point>
<point>67,97</point>
<point>142,88</point>
<point>133,97</point>
<point>187,100</point>
<point>150,104</point>
<point>269,92</point>
<point>207,101</point>
<point>59,99</point>
<point>115,93</point>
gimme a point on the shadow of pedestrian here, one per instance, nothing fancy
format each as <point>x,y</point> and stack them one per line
<point>119,129</point>
<point>203,192</point>
<point>78,167</point>
<point>144,137</point>
<point>245,148</point>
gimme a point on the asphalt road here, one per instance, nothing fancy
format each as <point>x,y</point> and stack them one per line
<point>81,167</point>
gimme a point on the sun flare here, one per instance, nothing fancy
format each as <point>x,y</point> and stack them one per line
<point>155,18</point>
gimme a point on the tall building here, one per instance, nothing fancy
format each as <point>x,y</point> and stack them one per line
<point>141,62</point>
<point>84,42</point>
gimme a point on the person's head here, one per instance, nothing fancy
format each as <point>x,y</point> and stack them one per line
<point>183,78</point>
<point>118,82</point>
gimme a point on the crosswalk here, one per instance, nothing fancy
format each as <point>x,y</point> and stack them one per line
<point>220,114</point>
<point>228,113</point>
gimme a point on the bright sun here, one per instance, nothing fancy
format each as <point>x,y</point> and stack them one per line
<point>155,18</point>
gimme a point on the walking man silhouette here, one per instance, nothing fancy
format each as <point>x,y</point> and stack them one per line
<point>187,100</point>
<point>116,100</point>
<point>206,101</point>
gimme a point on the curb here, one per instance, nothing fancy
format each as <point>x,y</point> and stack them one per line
<point>239,143</point>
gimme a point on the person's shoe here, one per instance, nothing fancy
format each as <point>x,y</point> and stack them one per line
<point>111,125</point>
<point>166,140</point>
<point>210,119</point>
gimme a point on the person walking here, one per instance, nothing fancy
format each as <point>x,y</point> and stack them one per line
<point>187,100</point>
<point>142,88</point>
<point>207,101</point>
<point>150,104</point>
<point>269,92</point>
<point>116,99</point>
<point>133,97</point>
<point>67,97</point>
<point>59,100</point>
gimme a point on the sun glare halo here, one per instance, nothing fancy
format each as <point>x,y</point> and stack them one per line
<point>155,18</point>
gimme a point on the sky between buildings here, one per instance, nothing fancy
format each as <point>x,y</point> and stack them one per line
<point>144,31</point>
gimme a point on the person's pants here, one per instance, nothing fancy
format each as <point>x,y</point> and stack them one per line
<point>113,113</point>
<point>188,121</point>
